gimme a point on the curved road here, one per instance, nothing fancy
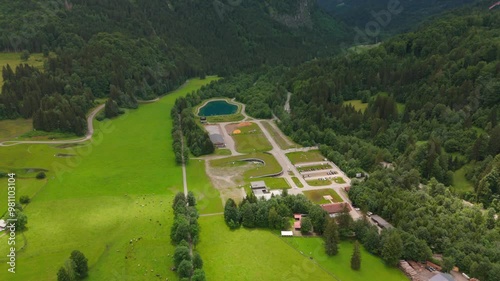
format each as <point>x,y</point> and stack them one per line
<point>88,136</point>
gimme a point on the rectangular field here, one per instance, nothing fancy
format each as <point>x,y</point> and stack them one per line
<point>372,267</point>
<point>260,255</point>
<point>251,139</point>
<point>304,157</point>
<point>276,183</point>
<point>14,128</point>
<point>314,168</point>
<point>316,196</point>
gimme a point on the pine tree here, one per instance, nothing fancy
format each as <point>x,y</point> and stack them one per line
<point>356,257</point>
<point>331,237</point>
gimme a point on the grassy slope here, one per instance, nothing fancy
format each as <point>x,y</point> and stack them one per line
<point>117,190</point>
<point>271,167</point>
<point>249,255</point>
<point>14,59</point>
<point>207,196</point>
<point>372,268</point>
<point>303,157</point>
<point>357,104</point>
<point>10,129</point>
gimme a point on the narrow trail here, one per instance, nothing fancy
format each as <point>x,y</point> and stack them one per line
<point>88,136</point>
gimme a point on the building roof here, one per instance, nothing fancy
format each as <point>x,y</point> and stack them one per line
<point>258,184</point>
<point>286,233</point>
<point>217,139</point>
<point>297,216</point>
<point>296,225</point>
<point>335,208</point>
<point>381,222</point>
<point>442,277</point>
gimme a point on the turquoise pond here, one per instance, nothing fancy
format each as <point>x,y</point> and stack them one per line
<point>218,107</point>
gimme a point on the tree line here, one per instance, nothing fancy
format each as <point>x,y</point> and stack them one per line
<point>185,235</point>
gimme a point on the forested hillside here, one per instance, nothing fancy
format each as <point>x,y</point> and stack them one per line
<point>129,50</point>
<point>429,107</point>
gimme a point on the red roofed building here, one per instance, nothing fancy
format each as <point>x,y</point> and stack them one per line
<point>297,216</point>
<point>335,208</point>
<point>296,225</point>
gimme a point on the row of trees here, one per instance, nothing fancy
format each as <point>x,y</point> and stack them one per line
<point>185,235</point>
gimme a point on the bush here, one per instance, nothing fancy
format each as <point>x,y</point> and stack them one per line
<point>41,175</point>
<point>24,199</point>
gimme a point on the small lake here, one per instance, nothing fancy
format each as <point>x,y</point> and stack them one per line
<point>217,107</point>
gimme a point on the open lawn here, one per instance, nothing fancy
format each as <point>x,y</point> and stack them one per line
<point>276,183</point>
<point>207,197</point>
<point>222,151</point>
<point>303,157</point>
<point>319,182</point>
<point>111,201</point>
<point>357,104</point>
<point>316,196</point>
<point>271,166</point>
<point>297,182</point>
<point>372,267</point>
<point>251,139</point>
<point>14,59</point>
<point>10,129</point>
<point>460,183</point>
<point>338,180</point>
<point>250,255</point>
<point>283,141</point>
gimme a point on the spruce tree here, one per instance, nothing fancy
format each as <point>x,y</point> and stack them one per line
<point>356,257</point>
<point>331,237</point>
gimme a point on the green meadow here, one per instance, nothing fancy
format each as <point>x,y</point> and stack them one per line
<point>207,196</point>
<point>316,196</point>
<point>304,157</point>
<point>14,128</point>
<point>250,255</point>
<point>276,183</point>
<point>111,201</point>
<point>251,139</point>
<point>460,182</point>
<point>271,165</point>
<point>372,267</point>
<point>357,104</point>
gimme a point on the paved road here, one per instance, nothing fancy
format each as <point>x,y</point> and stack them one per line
<point>88,136</point>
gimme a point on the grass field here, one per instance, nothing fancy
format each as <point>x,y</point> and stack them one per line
<point>208,198</point>
<point>276,183</point>
<point>372,267</point>
<point>14,128</point>
<point>112,201</point>
<point>297,182</point>
<point>316,196</point>
<point>357,104</point>
<point>14,59</point>
<point>271,165</point>
<point>279,138</point>
<point>250,255</point>
<point>338,180</point>
<point>303,157</point>
<point>319,182</point>
<point>460,183</point>
<point>222,151</point>
<point>251,140</point>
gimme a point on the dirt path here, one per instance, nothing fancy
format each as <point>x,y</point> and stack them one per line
<point>88,136</point>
